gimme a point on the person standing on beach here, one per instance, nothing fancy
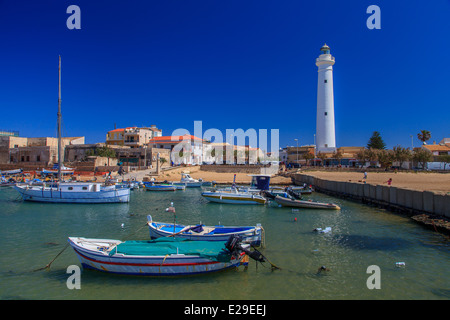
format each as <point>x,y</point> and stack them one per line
<point>365,175</point>
<point>389,182</point>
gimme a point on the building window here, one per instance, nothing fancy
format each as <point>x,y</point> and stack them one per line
<point>22,158</point>
<point>326,113</point>
<point>38,158</point>
<point>325,81</point>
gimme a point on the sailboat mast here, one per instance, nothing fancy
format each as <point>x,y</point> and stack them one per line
<point>59,121</point>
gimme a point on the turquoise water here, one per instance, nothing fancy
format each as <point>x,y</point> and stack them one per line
<point>32,234</point>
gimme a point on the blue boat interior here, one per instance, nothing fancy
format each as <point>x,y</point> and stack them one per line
<point>199,228</point>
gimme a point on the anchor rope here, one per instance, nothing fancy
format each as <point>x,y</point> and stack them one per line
<point>48,265</point>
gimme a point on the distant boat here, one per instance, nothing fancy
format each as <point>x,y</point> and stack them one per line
<point>248,234</point>
<point>289,202</point>
<point>54,170</point>
<point>188,181</point>
<point>159,187</point>
<point>71,192</point>
<point>234,197</point>
<point>160,258</point>
<point>10,172</point>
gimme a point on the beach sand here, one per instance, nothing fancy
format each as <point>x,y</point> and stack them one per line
<point>421,181</point>
<point>221,177</point>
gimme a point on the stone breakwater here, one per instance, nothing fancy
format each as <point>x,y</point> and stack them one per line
<point>429,208</point>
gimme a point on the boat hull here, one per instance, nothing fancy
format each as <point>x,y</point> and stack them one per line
<point>53,195</point>
<point>160,188</point>
<point>157,266</point>
<point>189,184</point>
<point>305,204</point>
<point>232,198</point>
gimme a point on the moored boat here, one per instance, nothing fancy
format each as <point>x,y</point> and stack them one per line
<point>63,192</point>
<point>234,197</point>
<point>160,258</point>
<point>159,187</point>
<point>189,182</point>
<point>289,202</point>
<point>73,192</point>
<point>248,234</point>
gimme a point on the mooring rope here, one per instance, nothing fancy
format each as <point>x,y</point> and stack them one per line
<point>48,265</point>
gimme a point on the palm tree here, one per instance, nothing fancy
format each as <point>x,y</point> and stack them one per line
<point>424,136</point>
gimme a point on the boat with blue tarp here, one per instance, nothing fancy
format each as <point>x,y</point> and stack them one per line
<point>200,232</point>
<point>161,257</point>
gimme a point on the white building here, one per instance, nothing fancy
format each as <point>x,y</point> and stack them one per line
<point>186,149</point>
<point>325,132</point>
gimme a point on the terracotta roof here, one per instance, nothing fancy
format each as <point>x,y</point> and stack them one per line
<point>436,147</point>
<point>116,130</point>
<point>174,139</point>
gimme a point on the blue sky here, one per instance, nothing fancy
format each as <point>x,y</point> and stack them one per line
<point>231,64</point>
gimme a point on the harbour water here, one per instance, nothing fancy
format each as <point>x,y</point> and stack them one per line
<point>32,234</point>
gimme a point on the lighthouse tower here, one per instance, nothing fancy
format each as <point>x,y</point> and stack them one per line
<point>325,133</point>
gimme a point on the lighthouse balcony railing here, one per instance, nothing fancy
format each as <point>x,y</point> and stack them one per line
<point>325,59</point>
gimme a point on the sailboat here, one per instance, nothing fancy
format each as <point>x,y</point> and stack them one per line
<point>71,192</point>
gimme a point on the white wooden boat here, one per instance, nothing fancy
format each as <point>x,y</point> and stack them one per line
<point>234,197</point>
<point>73,192</point>
<point>160,258</point>
<point>78,192</point>
<point>248,234</point>
<point>288,202</point>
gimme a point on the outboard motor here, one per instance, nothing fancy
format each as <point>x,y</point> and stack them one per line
<point>234,246</point>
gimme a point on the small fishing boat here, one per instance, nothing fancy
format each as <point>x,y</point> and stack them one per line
<point>159,187</point>
<point>189,182</point>
<point>248,234</point>
<point>234,197</point>
<point>160,257</point>
<point>289,202</point>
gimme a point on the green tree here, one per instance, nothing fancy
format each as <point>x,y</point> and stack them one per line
<point>322,156</point>
<point>338,156</point>
<point>422,156</point>
<point>401,154</point>
<point>106,152</point>
<point>424,136</point>
<point>376,142</point>
<point>445,158</point>
<point>307,156</point>
<point>385,157</point>
<point>362,156</point>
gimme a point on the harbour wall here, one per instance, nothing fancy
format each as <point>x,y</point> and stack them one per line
<point>407,201</point>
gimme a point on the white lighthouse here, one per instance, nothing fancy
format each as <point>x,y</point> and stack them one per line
<point>325,133</point>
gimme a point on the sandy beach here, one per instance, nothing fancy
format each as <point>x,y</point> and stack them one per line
<point>221,177</point>
<point>422,181</point>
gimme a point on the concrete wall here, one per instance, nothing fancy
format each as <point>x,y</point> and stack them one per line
<point>411,201</point>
